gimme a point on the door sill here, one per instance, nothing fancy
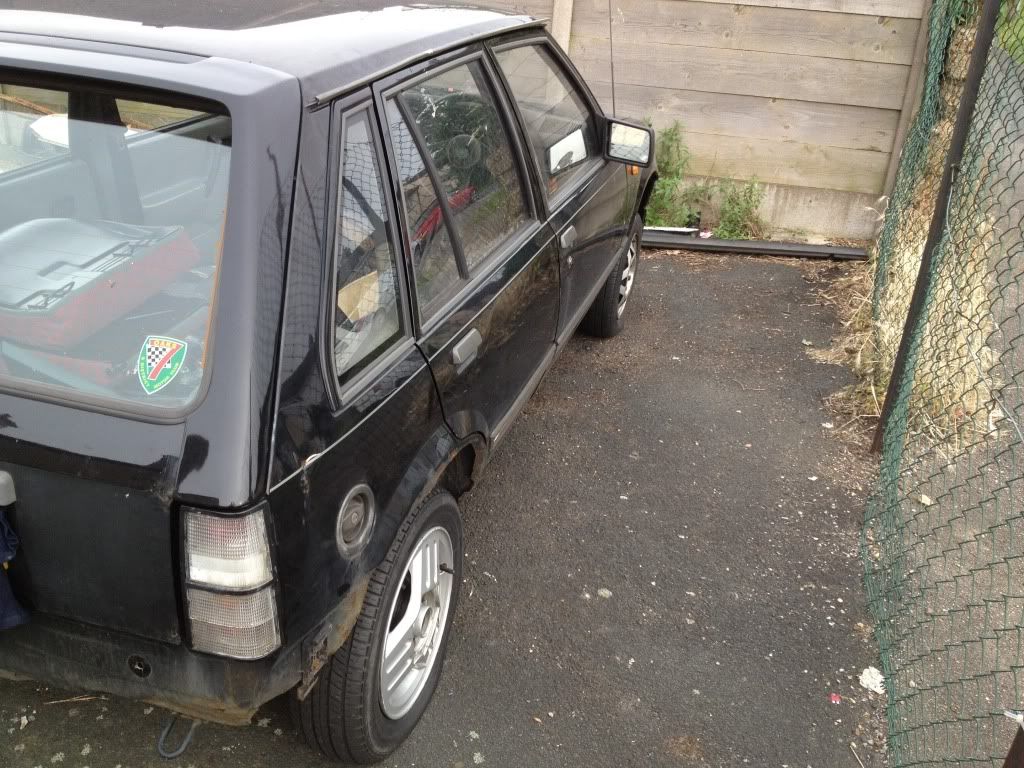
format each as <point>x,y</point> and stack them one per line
<point>502,427</point>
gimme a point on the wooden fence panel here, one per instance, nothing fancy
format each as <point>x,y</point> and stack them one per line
<point>754,73</point>
<point>806,96</point>
<point>729,115</point>
<point>799,94</point>
<point>639,23</point>
<point>908,9</point>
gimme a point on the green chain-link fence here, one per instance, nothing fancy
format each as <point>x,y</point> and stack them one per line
<point>943,541</point>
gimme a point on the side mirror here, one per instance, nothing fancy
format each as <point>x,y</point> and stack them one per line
<point>567,152</point>
<point>629,143</point>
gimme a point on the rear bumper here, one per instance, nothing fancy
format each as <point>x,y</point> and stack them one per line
<point>72,655</point>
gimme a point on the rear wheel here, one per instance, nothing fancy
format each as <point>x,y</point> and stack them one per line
<point>374,690</point>
<point>604,319</point>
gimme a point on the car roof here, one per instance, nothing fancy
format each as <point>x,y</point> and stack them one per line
<point>326,53</point>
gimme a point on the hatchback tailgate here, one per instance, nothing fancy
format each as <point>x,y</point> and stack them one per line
<point>93,513</point>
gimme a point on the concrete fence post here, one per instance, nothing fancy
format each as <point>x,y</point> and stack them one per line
<point>561,22</point>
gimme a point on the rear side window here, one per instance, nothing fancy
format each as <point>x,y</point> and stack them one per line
<point>453,120</point>
<point>110,236</point>
<point>456,114</point>
<point>366,310</point>
<point>560,125</point>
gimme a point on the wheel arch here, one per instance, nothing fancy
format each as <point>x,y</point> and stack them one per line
<point>449,462</point>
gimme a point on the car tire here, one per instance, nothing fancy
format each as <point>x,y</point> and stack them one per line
<point>604,318</point>
<point>349,715</point>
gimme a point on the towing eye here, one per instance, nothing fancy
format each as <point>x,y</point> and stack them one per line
<point>161,747</point>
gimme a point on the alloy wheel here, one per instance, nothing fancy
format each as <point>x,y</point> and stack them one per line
<point>416,623</point>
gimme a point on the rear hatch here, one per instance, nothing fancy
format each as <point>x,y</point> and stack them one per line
<point>112,214</point>
<point>93,513</point>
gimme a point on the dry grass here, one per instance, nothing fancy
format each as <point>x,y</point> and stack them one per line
<point>960,46</point>
<point>952,386</point>
<point>858,406</point>
<point>952,397</point>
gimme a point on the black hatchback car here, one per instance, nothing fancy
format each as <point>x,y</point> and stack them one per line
<point>269,299</point>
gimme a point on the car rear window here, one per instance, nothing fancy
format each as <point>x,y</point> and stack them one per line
<point>112,211</point>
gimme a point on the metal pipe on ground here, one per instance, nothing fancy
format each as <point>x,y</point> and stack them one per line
<point>684,238</point>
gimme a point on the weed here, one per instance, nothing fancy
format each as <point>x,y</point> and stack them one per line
<point>675,204</point>
<point>739,218</point>
<point>668,206</point>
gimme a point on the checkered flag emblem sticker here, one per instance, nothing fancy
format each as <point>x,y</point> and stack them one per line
<point>160,360</point>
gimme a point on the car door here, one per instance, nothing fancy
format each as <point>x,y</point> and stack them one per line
<point>483,266</point>
<point>585,193</point>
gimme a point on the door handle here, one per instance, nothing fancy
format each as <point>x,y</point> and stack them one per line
<point>466,350</point>
<point>568,239</point>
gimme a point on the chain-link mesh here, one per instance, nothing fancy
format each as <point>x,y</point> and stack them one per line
<point>943,541</point>
<point>910,208</point>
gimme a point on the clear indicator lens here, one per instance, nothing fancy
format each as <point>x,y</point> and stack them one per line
<point>239,626</point>
<point>228,552</point>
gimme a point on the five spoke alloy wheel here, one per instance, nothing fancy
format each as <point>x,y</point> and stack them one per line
<point>417,619</point>
<point>628,274</point>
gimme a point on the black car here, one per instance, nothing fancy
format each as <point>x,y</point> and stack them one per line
<point>269,300</point>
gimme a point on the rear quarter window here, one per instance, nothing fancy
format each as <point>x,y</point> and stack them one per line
<point>111,218</point>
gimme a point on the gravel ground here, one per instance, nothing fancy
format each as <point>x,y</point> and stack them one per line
<point>661,567</point>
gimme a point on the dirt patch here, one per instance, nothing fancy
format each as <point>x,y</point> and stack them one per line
<point>686,749</point>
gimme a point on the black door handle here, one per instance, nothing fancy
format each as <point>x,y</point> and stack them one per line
<point>466,350</point>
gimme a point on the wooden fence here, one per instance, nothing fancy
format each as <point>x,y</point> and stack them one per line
<point>810,97</point>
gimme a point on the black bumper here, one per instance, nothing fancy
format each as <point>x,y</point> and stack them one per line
<point>72,655</point>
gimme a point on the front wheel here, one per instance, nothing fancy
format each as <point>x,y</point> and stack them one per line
<point>604,319</point>
<point>374,690</point>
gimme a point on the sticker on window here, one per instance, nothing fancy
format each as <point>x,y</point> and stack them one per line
<point>160,360</point>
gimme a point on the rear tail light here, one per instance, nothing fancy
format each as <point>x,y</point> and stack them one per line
<point>228,552</point>
<point>239,626</point>
<point>230,594</point>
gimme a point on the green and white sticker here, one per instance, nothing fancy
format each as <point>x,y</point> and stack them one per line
<point>160,360</point>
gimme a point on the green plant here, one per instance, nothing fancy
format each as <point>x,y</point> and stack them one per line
<point>670,204</point>
<point>675,204</point>
<point>699,195</point>
<point>739,218</point>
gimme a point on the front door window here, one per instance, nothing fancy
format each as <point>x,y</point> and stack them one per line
<point>560,126</point>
